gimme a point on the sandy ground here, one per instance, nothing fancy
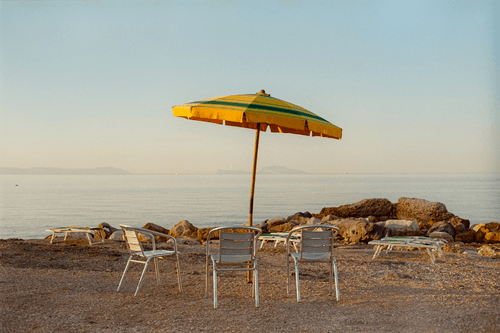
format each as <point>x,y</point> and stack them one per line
<point>71,287</point>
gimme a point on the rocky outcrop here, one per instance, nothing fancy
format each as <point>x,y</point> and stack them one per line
<point>442,227</point>
<point>492,237</point>
<point>363,208</point>
<point>202,234</point>
<point>183,228</point>
<point>285,227</point>
<point>421,210</point>
<point>483,229</point>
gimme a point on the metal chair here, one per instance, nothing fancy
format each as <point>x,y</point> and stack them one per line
<point>315,246</point>
<point>236,252</point>
<point>138,255</point>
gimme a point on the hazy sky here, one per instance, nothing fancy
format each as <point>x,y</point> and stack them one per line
<point>413,84</point>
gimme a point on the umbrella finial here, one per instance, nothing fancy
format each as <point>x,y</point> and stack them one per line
<point>263,92</point>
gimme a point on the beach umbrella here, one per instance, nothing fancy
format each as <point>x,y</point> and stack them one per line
<point>258,111</point>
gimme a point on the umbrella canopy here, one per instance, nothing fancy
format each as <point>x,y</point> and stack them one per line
<point>258,111</point>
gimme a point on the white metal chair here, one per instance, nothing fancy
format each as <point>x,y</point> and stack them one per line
<point>236,252</point>
<point>138,255</point>
<point>315,246</point>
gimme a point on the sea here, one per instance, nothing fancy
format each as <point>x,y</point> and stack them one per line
<point>30,204</point>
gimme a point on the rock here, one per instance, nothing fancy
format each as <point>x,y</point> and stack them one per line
<point>363,208</point>
<point>202,234</point>
<point>421,210</point>
<point>486,251</point>
<point>117,235</point>
<point>285,226</point>
<point>442,227</point>
<point>466,237</point>
<point>470,252</point>
<point>108,230</point>
<point>492,237</point>
<point>275,222</point>
<point>403,227</point>
<point>455,220</point>
<point>493,226</point>
<point>299,216</point>
<point>186,240</point>
<point>372,219</point>
<point>313,221</point>
<point>326,219</point>
<point>442,235</point>
<point>183,228</point>
<point>352,230</point>
<point>376,231</point>
<point>157,228</point>
<point>476,227</point>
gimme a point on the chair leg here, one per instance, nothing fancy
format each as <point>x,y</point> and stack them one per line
<point>297,284</point>
<point>206,279</point>
<point>256,283</point>
<point>337,292</point>
<point>123,276</point>
<point>215,288</point>
<point>157,271</point>
<point>331,277</point>
<point>179,276</point>
<point>142,276</point>
<point>287,276</point>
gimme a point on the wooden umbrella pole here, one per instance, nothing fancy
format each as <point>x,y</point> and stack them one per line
<point>252,190</point>
<point>256,151</point>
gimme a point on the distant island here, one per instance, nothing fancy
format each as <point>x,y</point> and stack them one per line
<point>276,169</point>
<point>61,171</point>
<point>265,170</point>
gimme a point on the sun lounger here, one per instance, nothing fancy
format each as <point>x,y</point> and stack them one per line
<point>278,238</point>
<point>430,244</point>
<point>89,232</point>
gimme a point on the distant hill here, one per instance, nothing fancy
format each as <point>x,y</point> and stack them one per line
<point>276,169</point>
<point>61,171</point>
<point>231,172</point>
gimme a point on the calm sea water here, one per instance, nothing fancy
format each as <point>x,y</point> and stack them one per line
<point>31,204</point>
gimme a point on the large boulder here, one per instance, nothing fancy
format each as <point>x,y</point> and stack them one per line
<point>358,230</point>
<point>202,234</point>
<point>328,219</point>
<point>117,236</point>
<point>183,228</point>
<point>402,227</point>
<point>442,227</point>
<point>363,208</point>
<point>421,210</point>
<point>456,221</point>
<point>157,228</point>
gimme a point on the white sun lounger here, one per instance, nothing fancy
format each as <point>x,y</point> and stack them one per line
<point>430,244</point>
<point>89,232</point>
<point>278,238</point>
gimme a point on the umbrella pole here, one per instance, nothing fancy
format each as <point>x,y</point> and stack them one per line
<point>252,190</point>
<point>256,151</point>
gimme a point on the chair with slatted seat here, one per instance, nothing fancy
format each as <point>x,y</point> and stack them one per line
<point>316,245</point>
<point>236,252</point>
<point>139,255</point>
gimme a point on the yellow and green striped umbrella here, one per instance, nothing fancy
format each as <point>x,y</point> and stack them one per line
<point>258,111</point>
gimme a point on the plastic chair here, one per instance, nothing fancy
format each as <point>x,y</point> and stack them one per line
<point>236,252</point>
<point>315,246</point>
<point>138,255</point>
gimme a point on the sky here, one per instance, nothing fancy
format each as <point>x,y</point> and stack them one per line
<point>413,84</point>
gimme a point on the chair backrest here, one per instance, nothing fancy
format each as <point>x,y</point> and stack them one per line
<point>132,239</point>
<point>236,246</point>
<point>317,242</point>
